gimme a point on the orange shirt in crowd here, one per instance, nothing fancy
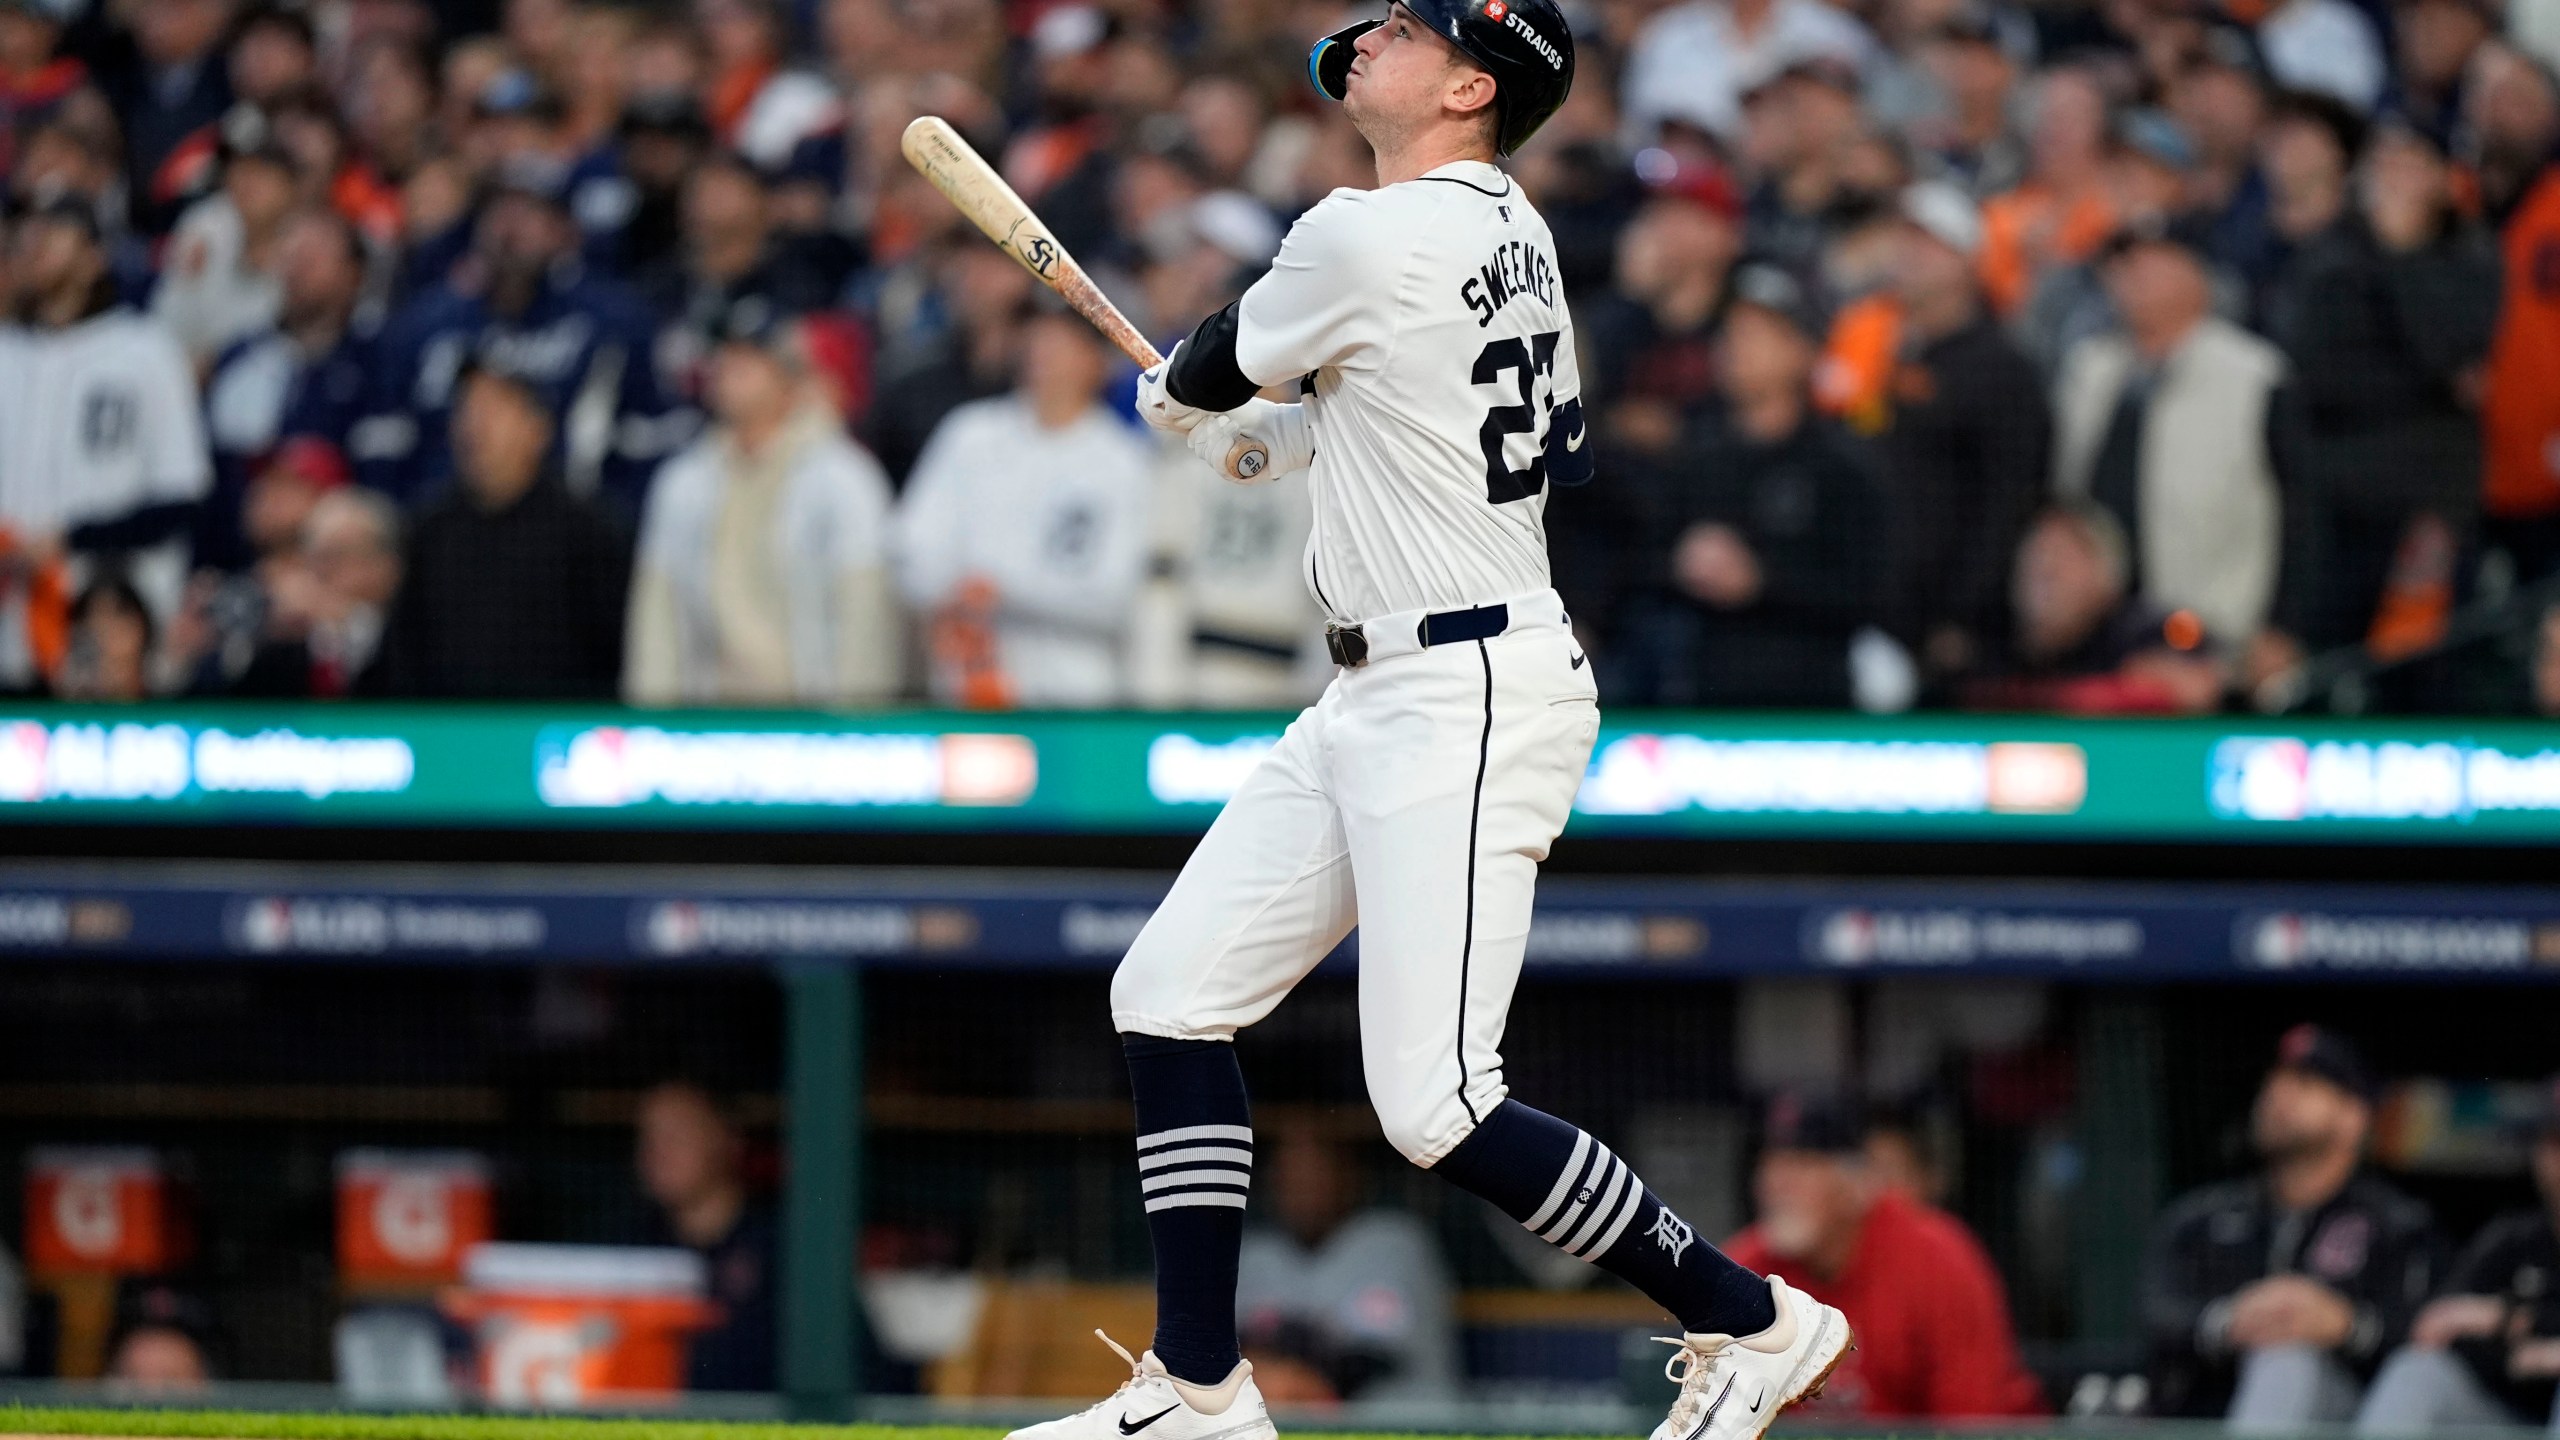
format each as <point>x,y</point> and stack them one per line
<point>1854,382</point>
<point>1934,1338</point>
<point>2031,229</point>
<point>2521,412</point>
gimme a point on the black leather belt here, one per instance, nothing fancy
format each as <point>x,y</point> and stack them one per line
<point>1349,644</point>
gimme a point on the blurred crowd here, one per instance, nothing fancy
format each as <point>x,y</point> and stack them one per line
<point>2136,356</point>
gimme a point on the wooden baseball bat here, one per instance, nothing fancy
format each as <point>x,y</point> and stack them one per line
<point>938,152</point>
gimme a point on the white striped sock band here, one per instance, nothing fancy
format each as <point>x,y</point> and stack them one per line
<point>1196,1165</point>
<point>1595,1196</point>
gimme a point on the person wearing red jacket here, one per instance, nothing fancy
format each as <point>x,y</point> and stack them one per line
<point>1932,1318</point>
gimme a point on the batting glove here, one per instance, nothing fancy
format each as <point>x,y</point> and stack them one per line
<point>1256,441</point>
<point>1157,406</point>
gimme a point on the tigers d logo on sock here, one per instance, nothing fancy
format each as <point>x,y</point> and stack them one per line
<point>1671,1232</point>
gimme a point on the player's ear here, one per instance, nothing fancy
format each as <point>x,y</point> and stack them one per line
<point>1470,90</point>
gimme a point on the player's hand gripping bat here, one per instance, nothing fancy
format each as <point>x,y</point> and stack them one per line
<point>937,150</point>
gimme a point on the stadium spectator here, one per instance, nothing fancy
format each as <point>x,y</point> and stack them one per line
<point>1022,536</point>
<point>582,341</point>
<point>2434,43</point>
<point>113,645</point>
<point>758,103</point>
<point>1974,141</point>
<point>2149,167</point>
<point>1340,1299</point>
<point>2518,109</point>
<point>2307,151</point>
<point>1910,1277</point>
<point>514,587</point>
<point>219,282</point>
<point>272,51</point>
<point>690,1159</point>
<point>2271,1299</point>
<point>2487,1350</point>
<point>102,449</point>
<point>391,106</point>
<point>168,84</point>
<point>2328,46</point>
<point>662,139</point>
<point>35,78</point>
<point>2219,99</point>
<point>2061,212</point>
<point>303,376</point>
<point>1651,335</point>
<point>971,356</point>
<point>1801,128</point>
<point>1692,62</point>
<point>2163,423</point>
<point>763,571</point>
<point>2084,645</point>
<point>1965,442</point>
<point>2393,313</point>
<point>328,602</point>
<point>729,260</point>
<point>229,614</point>
<point>1650,339</point>
<point>1774,523</point>
<point>1227,622</point>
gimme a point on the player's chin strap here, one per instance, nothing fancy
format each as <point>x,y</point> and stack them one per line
<point>1329,64</point>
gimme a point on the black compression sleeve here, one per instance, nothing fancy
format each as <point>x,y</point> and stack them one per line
<point>1204,369</point>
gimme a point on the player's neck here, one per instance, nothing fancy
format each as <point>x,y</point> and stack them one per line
<point>1413,156</point>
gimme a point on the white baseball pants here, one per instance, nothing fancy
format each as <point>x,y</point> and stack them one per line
<point>1415,800</point>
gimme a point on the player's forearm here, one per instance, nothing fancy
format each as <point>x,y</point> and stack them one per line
<point>1204,372</point>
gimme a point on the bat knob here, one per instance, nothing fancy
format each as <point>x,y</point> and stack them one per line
<point>1248,460</point>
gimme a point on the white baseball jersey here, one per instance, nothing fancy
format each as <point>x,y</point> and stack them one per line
<point>102,420</point>
<point>1416,798</point>
<point>1432,318</point>
<point>1055,519</point>
<point>1241,631</point>
<point>96,421</point>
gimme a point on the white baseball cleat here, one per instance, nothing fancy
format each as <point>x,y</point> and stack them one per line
<point>1158,1406</point>
<point>1732,1388</point>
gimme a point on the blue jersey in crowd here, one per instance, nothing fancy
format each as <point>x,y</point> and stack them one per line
<point>584,341</point>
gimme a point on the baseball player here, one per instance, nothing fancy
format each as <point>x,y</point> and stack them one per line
<point>1423,327</point>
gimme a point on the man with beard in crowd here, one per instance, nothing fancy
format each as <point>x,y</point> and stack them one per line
<point>522,298</point>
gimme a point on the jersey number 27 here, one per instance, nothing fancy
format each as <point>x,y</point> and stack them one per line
<point>1529,358</point>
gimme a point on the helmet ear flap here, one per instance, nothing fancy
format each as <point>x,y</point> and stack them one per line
<point>1329,64</point>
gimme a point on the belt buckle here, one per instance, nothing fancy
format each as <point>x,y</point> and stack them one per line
<point>1347,644</point>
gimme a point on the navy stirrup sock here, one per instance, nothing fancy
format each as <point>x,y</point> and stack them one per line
<point>1585,1201</point>
<point>1195,1162</point>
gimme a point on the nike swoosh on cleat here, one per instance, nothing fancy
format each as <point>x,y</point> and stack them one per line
<point>1576,442</point>
<point>1710,1417</point>
<point>1128,1429</point>
<point>1578,659</point>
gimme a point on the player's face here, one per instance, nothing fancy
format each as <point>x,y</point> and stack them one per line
<point>1404,78</point>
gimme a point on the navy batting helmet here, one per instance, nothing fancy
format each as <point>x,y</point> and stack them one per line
<point>1523,44</point>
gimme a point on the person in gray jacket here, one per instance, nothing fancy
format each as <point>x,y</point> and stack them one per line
<point>2163,422</point>
<point>763,573</point>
